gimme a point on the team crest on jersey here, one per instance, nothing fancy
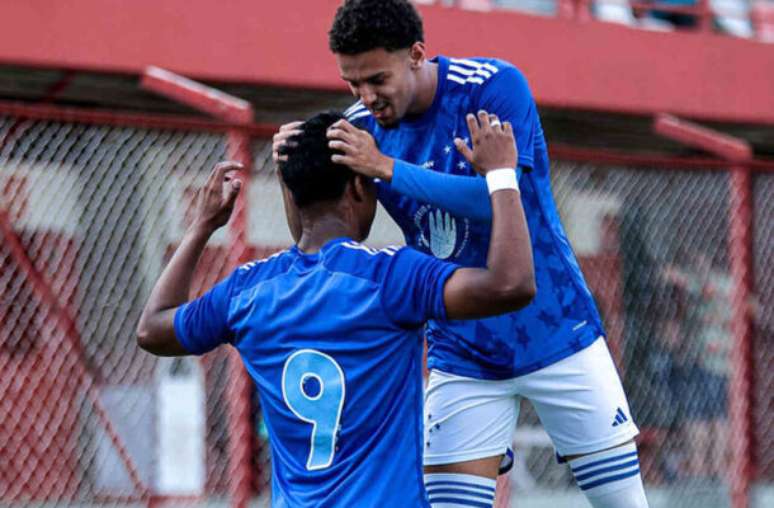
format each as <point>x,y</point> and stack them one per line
<point>442,233</point>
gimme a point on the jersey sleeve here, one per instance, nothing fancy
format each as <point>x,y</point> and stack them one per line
<point>460,195</point>
<point>412,291</point>
<point>201,325</point>
<point>508,96</point>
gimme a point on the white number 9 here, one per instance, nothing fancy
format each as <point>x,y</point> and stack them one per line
<point>321,409</point>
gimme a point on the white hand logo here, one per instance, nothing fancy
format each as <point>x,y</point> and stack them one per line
<point>443,234</point>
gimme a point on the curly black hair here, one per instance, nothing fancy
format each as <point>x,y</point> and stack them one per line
<point>363,25</point>
<point>308,171</point>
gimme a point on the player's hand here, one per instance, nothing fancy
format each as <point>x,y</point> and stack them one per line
<point>359,151</point>
<point>281,138</point>
<point>494,146</point>
<point>215,201</point>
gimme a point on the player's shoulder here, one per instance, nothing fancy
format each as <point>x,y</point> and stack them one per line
<point>478,73</point>
<point>361,260</point>
<point>259,270</point>
<point>362,254</point>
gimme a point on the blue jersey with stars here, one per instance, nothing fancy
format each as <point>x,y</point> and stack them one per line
<point>333,341</point>
<point>443,208</point>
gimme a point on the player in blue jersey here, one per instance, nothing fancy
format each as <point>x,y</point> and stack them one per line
<point>330,330</point>
<point>553,352</point>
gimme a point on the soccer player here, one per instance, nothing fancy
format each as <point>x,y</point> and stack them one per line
<point>330,330</point>
<point>553,352</point>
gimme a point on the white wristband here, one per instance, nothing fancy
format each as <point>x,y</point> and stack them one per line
<point>503,178</point>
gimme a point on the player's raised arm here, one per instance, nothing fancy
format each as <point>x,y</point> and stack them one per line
<point>508,281</point>
<point>215,202</point>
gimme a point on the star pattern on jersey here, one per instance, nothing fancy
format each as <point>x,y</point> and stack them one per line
<point>492,345</point>
<point>572,306</point>
<point>576,344</point>
<point>549,320</point>
<point>461,165</point>
<point>447,149</point>
<point>486,337</point>
<point>428,164</point>
<point>544,247</point>
<point>522,337</point>
<point>559,277</point>
<point>528,196</point>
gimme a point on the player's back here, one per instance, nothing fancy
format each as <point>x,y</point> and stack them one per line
<point>336,352</point>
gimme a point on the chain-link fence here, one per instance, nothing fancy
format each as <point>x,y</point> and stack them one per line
<point>652,243</point>
<point>763,310</point>
<point>90,213</point>
<point>91,208</point>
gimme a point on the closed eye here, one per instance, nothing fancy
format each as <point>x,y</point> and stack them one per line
<point>376,80</point>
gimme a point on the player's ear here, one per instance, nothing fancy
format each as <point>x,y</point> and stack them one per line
<point>417,55</point>
<point>361,187</point>
<point>291,210</point>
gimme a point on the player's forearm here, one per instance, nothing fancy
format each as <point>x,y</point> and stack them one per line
<point>174,285</point>
<point>509,261</point>
<point>464,196</point>
<point>508,282</point>
<point>156,326</point>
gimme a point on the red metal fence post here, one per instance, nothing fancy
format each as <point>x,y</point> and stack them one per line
<point>740,247</point>
<point>740,404</point>
<point>239,112</point>
<point>705,16</point>
<point>239,403</point>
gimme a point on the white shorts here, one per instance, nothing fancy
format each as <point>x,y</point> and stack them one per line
<point>579,400</point>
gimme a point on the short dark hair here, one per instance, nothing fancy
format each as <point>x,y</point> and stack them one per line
<point>308,172</point>
<point>363,25</point>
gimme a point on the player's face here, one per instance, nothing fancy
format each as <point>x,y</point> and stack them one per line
<point>384,80</point>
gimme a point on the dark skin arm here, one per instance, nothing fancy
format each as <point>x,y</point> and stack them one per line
<point>215,202</point>
<point>508,281</point>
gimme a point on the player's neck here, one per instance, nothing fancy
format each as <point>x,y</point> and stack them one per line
<point>426,88</point>
<point>318,228</point>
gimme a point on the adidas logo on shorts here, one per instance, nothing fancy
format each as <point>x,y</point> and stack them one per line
<point>620,418</point>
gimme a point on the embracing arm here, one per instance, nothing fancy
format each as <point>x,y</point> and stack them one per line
<point>156,329</point>
<point>463,196</point>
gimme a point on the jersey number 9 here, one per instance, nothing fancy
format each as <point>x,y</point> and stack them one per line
<point>321,406</point>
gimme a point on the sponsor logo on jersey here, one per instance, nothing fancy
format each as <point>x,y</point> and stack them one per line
<point>442,233</point>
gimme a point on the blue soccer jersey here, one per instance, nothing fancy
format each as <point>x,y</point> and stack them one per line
<point>333,342</point>
<point>444,212</point>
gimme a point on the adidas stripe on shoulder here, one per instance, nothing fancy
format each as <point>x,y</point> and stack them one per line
<point>464,71</point>
<point>251,264</point>
<point>357,110</point>
<point>390,250</point>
